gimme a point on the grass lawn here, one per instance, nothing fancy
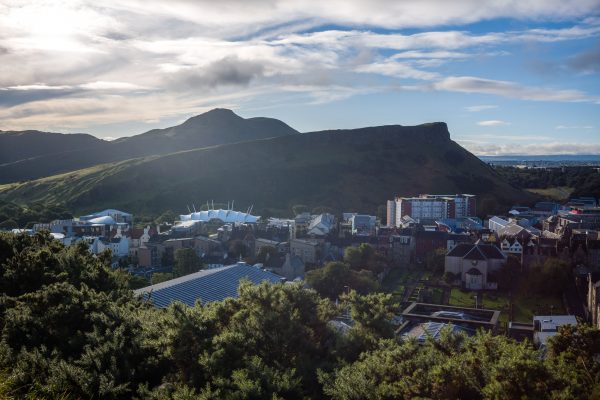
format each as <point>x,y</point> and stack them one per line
<point>525,305</point>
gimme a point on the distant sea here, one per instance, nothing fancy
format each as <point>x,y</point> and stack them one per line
<point>550,160</point>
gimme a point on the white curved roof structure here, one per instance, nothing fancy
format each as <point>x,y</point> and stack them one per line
<point>227,216</point>
<point>105,220</point>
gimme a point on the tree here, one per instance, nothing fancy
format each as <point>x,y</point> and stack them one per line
<point>573,354</point>
<point>159,277</point>
<point>186,262</point>
<point>268,343</point>
<point>371,315</point>
<point>168,216</point>
<point>336,277</point>
<point>449,277</point>
<point>549,278</point>
<point>435,260</point>
<point>8,224</point>
<point>364,257</point>
<point>266,255</point>
<point>299,209</point>
<point>69,324</point>
<point>450,367</point>
<point>507,275</point>
<point>353,256</point>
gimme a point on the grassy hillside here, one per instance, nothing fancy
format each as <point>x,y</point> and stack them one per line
<point>49,154</point>
<point>350,170</point>
<point>23,145</point>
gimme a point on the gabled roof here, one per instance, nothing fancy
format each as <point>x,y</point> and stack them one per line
<point>460,250</point>
<point>207,285</point>
<point>475,254</point>
<point>491,251</point>
<point>477,251</point>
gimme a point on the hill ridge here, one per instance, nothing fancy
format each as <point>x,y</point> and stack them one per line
<point>342,169</point>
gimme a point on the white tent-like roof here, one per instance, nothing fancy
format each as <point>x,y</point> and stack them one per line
<point>227,216</point>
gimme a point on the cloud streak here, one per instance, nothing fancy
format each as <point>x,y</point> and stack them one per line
<point>493,122</point>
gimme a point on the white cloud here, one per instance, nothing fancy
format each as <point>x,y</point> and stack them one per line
<point>470,84</point>
<point>105,85</point>
<point>242,15</point>
<point>574,127</point>
<point>493,122</point>
<point>397,69</point>
<point>39,86</point>
<point>481,107</point>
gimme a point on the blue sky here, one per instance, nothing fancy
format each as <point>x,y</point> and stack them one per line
<point>509,77</point>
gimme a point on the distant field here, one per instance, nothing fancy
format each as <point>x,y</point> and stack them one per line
<point>556,193</point>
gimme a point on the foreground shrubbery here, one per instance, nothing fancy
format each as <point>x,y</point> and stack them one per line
<point>71,328</point>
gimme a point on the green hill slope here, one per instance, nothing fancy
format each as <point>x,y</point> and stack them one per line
<point>345,170</point>
<point>44,154</point>
<point>23,145</point>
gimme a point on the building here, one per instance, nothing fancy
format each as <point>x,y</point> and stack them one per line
<point>119,217</point>
<point>545,209</point>
<point>259,243</point>
<point>546,326</point>
<point>497,223</point>
<point>474,264</point>
<point>309,250</point>
<point>225,216</point>
<point>119,246</point>
<point>427,242</point>
<point>391,213</point>
<point>206,286</point>
<point>321,225</point>
<point>363,225</point>
<point>421,332</point>
<point>428,207</point>
<point>472,318</point>
<point>402,249</point>
<point>292,268</point>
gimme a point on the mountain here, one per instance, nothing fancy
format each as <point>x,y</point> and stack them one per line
<point>215,127</point>
<point>23,145</point>
<point>349,170</point>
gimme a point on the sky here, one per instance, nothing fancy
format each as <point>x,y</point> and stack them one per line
<point>507,76</point>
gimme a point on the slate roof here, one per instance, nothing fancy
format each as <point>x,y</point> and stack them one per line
<point>207,285</point>
<point>475,254</point>
<point>477,251</point>
<point>460,250</point>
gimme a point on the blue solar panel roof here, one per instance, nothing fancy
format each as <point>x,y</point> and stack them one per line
<point>206,285</point>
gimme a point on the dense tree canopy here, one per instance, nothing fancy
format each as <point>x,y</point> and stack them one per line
<point>336,278</point>
<point>70,327</point>
<point>186,262</point>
